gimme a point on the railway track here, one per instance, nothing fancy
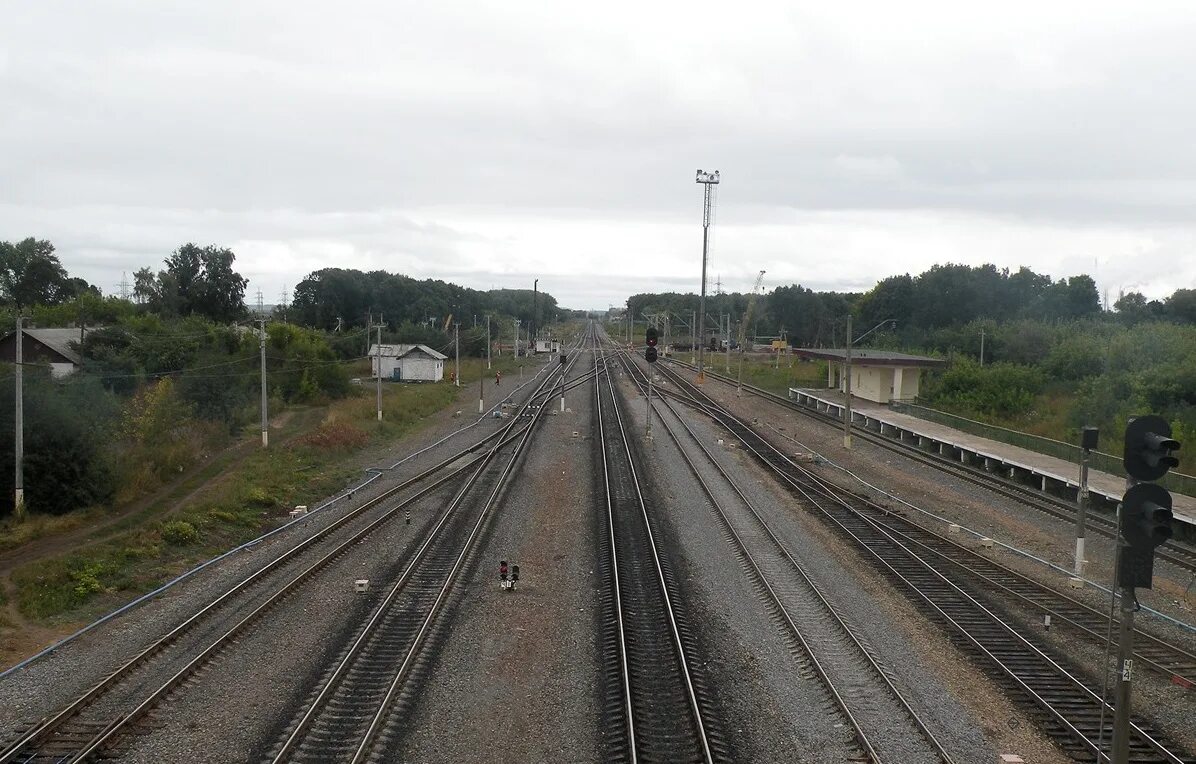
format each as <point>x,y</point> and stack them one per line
<point>1068,709</point>
<point>1172,661</point>
<point>1181,555</point>
<point>884,725</point>
<point>656,707</point>
<point>97,719</point>
<point>351,714</point>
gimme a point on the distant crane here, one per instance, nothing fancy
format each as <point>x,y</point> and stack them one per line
<point>747,318</point>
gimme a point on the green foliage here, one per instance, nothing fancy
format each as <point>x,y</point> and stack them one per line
<point>67,431</point>
<point>180,533</point>
<point>197,281</point>
<point>31,274</point>
<point>993,390</point>
<point>338,295</point>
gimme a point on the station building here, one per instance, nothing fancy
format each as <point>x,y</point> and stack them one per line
<point>407,363</point>
<point>876,375</point>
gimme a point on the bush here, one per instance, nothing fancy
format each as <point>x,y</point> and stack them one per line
<point>995,390</point>
<point>179,533</point>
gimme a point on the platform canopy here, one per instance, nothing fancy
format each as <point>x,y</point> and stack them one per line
<point>869,357</point>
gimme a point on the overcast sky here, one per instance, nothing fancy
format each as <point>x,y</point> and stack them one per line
<point>490,143</point>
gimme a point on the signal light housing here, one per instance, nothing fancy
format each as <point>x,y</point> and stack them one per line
<point>651,336</point>
<point>1148,447</point>
<point>651,354</point>
<point>1145,524</point>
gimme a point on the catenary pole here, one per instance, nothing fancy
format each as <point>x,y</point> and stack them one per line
<point>378,381</point>
<point>705,255</point>
<point>19,477</point>
<point>847,388</point>
<point>487,343</point>
<point>265,419</point>
<point>457,352</point>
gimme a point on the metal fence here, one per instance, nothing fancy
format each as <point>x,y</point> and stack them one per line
<point>1174,481</point>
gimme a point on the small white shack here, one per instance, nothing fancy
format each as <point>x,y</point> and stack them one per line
<point>548,346</point>
<point>407,363</point>
<point>876,375</point>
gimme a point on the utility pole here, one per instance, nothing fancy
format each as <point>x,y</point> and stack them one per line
<point>19,484</point>
<point>378,381</point>
<point>847,389</point>
<point>982,347</point>
<point>457,351</point>
<point>693,332</point>
<point>709,181</point>
<point>487,342</point>
<point>265,420</point>
<point>481,394</point>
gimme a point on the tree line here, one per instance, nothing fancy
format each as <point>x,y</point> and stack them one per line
<point>174,373</point>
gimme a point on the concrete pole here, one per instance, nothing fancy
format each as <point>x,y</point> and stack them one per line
<point>457,351</point>
<point>1081,512</point>
<point>702,297</point>
<point>265,420</point>
<point>727,337</point>
<point>378,382</point>
<point>19,478</point>
<point>847,389</point>
<point>981,347</point>
<point>531,329</point>
<point>693,332</point>
<point>481,394</point>
<point>487,343</point>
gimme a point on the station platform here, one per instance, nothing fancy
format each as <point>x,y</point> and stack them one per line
<point>1051,475</point>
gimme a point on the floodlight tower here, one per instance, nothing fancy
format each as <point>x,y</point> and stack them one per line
<point>708,180</point>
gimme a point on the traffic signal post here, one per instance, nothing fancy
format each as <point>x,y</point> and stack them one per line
<point>1144,523</point>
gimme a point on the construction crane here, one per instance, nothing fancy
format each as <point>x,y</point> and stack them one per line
<point>747,318</point>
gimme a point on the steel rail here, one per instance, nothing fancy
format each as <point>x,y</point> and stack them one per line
<point>46,727</point>
<point>1154,652</point>
<point>837,495</point>
<point>943,755</point>
<point>319,703</point>
<point>1176,553</point>
<point>657,567</point>
<point>404,669</point>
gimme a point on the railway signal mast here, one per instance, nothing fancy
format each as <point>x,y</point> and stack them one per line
<point>709,180</point>
<point>1144,522</point>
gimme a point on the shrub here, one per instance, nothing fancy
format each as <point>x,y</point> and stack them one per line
<point>179,533</point>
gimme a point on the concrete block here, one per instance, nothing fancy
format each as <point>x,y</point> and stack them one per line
<point>576,434</point>
<point>1010,758</point>
<point>953,528</point>
<point>361,585</point>
<point>1075,583</point>
<point>986,542</point>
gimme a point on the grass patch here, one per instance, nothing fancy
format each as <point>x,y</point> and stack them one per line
<point>759,372</point>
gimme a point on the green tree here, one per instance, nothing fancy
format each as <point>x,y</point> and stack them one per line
<point>31,274</point>
<point>1181,306</point>
<point>197,280</point>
